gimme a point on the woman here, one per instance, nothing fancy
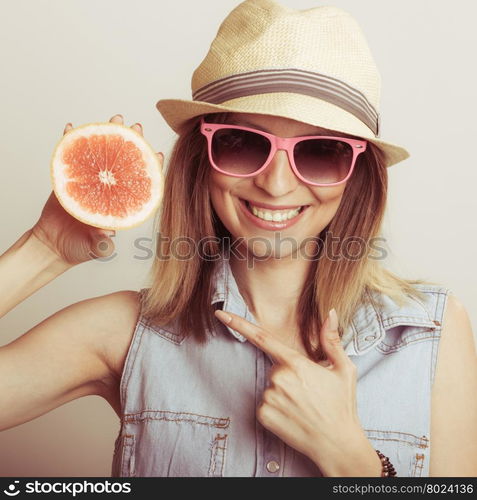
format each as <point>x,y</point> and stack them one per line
<point>271,341</point>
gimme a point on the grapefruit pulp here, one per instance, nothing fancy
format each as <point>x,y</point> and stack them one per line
<point>106,175</point>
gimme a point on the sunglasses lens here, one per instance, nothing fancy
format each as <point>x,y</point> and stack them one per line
<point>239,151</point>
<point>323,161</point>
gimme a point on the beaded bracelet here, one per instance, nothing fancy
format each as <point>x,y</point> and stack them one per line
<point>388,469</point>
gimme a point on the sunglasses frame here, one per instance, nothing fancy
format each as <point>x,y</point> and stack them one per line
<point>284,143</point>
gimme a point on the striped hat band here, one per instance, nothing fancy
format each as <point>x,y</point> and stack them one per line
<point>293,80</point>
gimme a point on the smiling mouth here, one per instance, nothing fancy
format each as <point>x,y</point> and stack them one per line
<point>266,214</point>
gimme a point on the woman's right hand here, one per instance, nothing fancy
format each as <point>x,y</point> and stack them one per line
<point>70,239</point>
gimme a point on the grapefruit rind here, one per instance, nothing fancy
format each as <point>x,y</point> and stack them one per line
<point>152,165</point>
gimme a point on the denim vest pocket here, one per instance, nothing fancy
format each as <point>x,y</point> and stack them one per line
<point>123,457</point>
<point>180,443</point>
<point>408,453</point>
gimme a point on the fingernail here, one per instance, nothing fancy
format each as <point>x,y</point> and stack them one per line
<point>223,316</point>
<point>333,324</point>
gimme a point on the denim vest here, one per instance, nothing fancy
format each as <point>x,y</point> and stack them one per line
<point>189,409</point>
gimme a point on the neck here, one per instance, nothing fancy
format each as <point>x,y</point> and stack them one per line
<point>271,287</point>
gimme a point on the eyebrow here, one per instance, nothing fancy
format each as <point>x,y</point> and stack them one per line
<point>245,123</point>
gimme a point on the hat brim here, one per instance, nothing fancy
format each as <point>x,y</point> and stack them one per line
<point>297,107</point>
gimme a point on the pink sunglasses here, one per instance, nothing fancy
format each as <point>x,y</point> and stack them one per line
<point>319,160</point>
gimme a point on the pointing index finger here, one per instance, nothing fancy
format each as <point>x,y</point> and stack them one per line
<point>260,337</point>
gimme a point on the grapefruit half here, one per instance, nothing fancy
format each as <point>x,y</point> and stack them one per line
<point>106,175</point>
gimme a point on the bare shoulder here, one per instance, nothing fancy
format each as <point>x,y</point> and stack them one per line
<point>118,313</point>
<point>457,338</point>
<point>104,325</point>
<point>107,325</point>
<point>454,396</point>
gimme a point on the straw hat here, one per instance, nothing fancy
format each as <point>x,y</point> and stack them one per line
<point>311,65</point>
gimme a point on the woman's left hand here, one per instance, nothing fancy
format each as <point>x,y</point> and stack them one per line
<point>311,407</point>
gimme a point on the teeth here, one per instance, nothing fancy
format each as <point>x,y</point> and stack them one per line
<point>273,215</point>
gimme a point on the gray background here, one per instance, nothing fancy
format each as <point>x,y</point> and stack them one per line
<point>84,61</point>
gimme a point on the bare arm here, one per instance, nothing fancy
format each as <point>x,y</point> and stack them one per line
<point>24,268</point>
<point>454,398</point>
<point>65,357</point>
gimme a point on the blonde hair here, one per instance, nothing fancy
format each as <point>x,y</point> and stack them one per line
<point>181,289</point>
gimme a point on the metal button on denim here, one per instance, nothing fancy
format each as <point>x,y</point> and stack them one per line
<point>273,466</point>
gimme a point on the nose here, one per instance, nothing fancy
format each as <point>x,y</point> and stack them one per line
<point>278,179</point>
